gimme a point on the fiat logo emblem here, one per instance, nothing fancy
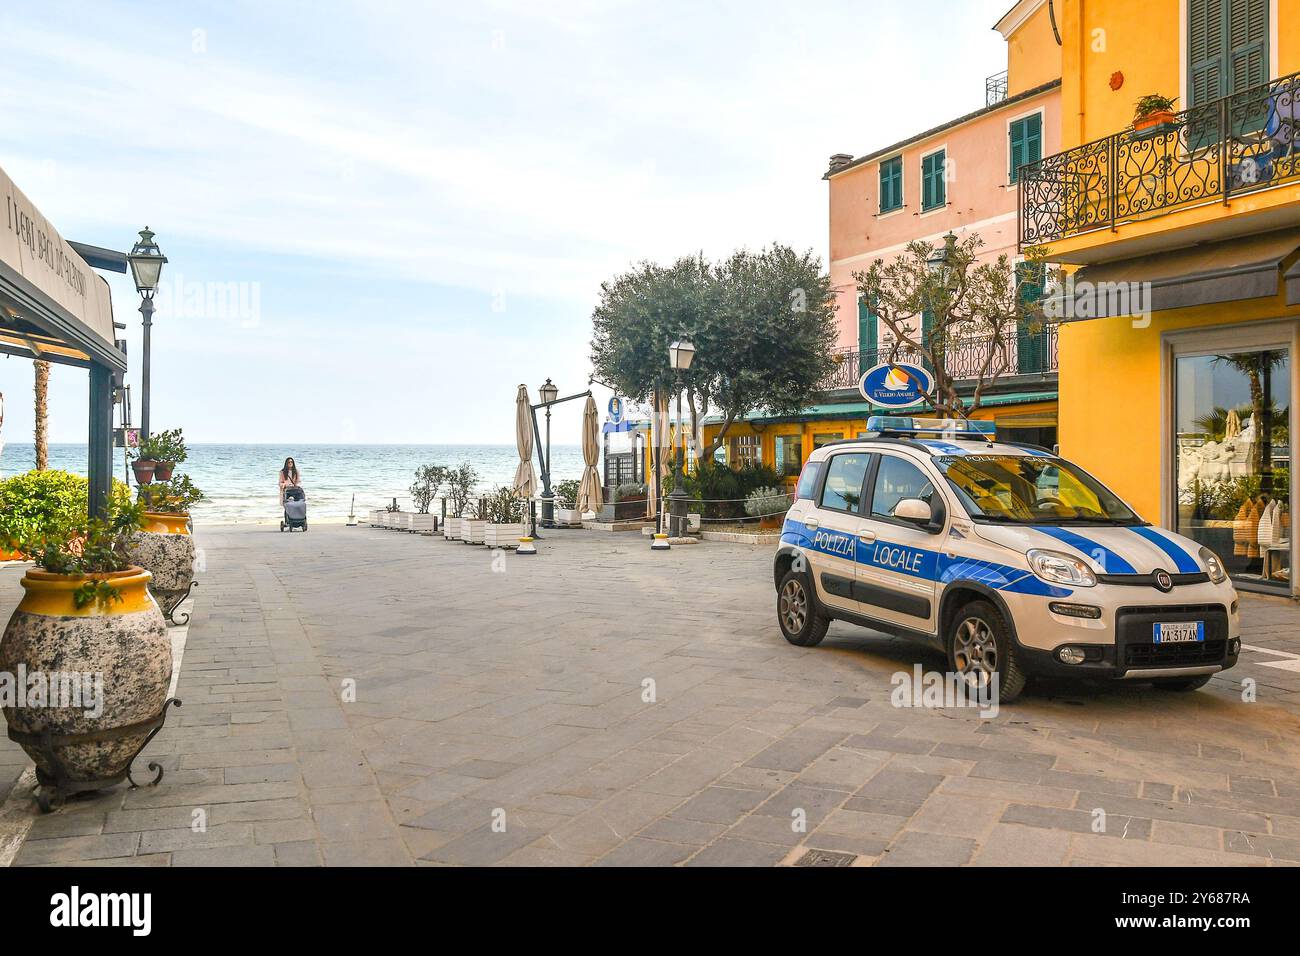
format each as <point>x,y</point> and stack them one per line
<point>1163,581</point>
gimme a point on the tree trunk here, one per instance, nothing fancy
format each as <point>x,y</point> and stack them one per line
<point>42,406</point>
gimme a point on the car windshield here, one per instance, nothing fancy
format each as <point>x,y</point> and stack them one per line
<point>1031,489</point>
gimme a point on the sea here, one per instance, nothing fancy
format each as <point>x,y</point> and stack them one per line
<point>240,481</point>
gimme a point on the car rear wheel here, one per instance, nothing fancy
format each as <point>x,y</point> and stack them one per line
<point>801,619</point>
<point>980,647</point>
<point>1181,683</point>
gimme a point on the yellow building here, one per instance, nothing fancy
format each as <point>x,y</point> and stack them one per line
<point>1182,235</point>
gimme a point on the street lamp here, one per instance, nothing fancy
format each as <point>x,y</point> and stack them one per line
<point>548,393</point>
<point>146,261</point>
<point>680,355</point>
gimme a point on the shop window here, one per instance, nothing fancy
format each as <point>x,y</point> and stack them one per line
<point>1233,460</point>
<point>789,455</point>
<point>745,450</point>
<point>826,438</point>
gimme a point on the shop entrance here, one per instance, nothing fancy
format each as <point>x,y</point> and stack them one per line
<point>1232,458</point>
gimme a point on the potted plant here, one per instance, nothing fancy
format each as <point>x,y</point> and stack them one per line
<point>768,505</point>
<point>566,503</point>
<point>1153,110</point>
<point>163,545</point>
<point>429,480</point>
<point>460,485</point>
<point>40,502</point>
<point>87,619</point>
<point>505,519</point>
<point>473,524</point>
<point>168,450</point>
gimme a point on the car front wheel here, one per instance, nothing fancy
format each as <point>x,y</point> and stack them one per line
<point>801,619</point>
<point>980,647</point>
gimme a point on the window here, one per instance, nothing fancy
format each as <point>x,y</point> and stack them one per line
<point>891,184</point>
<point>808,480</point>
<point>1031,341</point>
<point>844,477</point>
<point>789,455</point>
<point>1026,143</point>
<point>934,192</point>
<point>866,333</point>
<point>826,438</point>
<point>1227,47</point>
<point>897,479</point>
<point>745,450</point>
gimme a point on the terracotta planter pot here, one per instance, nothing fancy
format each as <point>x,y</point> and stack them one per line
<point>162,470</point>
<point>144,470</point>
<point>1152,120</point>
<point>121,647</point>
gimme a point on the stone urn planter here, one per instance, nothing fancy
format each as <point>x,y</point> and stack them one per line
<point>165,549</point>
<point>451,528</point>
<point>116,652</point>
<point>503,535</point>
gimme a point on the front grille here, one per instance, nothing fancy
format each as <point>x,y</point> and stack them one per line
<point>1137,650</point>
<point>1149,580</point>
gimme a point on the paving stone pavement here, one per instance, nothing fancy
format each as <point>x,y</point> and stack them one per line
<point>355,696</point>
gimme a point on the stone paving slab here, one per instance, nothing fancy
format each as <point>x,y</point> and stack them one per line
<point>361,697</point>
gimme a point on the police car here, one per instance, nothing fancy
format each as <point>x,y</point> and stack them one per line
<point>1011,560</point>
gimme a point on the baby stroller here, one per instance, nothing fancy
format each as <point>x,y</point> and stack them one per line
<point>295,509</point>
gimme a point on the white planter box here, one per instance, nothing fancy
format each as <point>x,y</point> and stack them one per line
<point>396,521</point>
<point>503,535</point>
<point>472,530</point>
<point>418,522</point>
<point>451,528</point>
<point>377,518</point>
<point>568,517</point>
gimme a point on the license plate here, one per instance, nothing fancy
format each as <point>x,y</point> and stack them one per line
<point>1183,632</point>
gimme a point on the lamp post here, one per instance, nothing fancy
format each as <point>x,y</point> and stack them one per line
<point>548,393</point>
<point>146,261</point>
<point>680,355</point>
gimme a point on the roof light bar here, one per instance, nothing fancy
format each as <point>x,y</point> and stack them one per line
<point>946,427</point>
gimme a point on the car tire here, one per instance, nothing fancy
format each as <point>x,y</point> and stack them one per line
<point>801,618</point>
<point>1181,684</point>
<point>979,642</point>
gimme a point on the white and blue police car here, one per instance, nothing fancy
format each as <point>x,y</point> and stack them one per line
<point>1008,558</point>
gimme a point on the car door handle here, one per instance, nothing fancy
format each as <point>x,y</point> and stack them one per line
<point>866,537</point>
<point>812,524</point>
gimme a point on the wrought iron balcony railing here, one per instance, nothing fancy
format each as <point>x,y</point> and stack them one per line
<point>1238,144</point>
<point>1027,353</point>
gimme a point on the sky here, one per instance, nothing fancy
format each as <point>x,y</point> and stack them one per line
<point>381,217</point>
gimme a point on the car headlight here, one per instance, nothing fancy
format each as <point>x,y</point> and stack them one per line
<point>1212,564</point>
<point>1061,569</point>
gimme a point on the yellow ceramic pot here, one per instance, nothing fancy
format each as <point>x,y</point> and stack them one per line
<point>116,654</point>
<point>164,522</point>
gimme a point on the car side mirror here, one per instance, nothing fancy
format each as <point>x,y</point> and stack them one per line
<point>915,510</point>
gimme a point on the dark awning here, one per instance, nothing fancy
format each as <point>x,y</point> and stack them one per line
<point>1230,271</point>
<point>1292,279</point>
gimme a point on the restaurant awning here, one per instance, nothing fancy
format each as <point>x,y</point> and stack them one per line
<point>1229,271</point>
<point>54,307</point>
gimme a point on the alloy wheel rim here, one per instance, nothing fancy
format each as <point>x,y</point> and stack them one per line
<point>794,606</point>
<point>975,650</point>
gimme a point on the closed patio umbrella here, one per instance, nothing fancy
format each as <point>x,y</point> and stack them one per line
<point>525,480</point>
<point>589,493</point>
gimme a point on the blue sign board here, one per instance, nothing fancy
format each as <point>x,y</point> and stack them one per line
<point>616,409</point>
<point>896,385</point>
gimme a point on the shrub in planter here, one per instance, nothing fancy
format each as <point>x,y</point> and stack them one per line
<point>473,523</point>
<point>86,613</point>
<point>566,502</point>
<point>163,451</point>
<point>40,503</point>
<point>504,511</point>
<point>769,505</point>
<point>429,480</point>
<point>163,545</point>
<point>460,486</point>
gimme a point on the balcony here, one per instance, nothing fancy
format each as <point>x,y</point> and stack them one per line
<point>1235,146</point>
<point>1029,354</point>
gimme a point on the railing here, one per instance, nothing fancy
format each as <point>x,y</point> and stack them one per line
<point>1234,145</point>
<point>1025,353</point>
<point>995,89</point>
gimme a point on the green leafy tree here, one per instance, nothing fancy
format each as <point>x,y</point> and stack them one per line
<point>931,299</point>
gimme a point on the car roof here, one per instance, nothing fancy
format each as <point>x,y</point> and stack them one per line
<point>937,446</point>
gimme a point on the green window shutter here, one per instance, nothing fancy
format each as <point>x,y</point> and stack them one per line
<point>1247,32</point>
<point>891,184</point>
<point>1026,143</point>
<point>866,333</point>
<point>1207,51</point>
<point>933,190</point>
<point>1030,345</point>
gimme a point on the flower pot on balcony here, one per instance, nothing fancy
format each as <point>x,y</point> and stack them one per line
<point>1154,119</point>
<point>119,647</point>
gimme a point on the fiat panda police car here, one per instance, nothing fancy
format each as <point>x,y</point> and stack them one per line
<point>1010,559</point>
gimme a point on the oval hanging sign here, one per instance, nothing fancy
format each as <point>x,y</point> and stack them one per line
<point>896,384</point>
<point>616,410</point>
